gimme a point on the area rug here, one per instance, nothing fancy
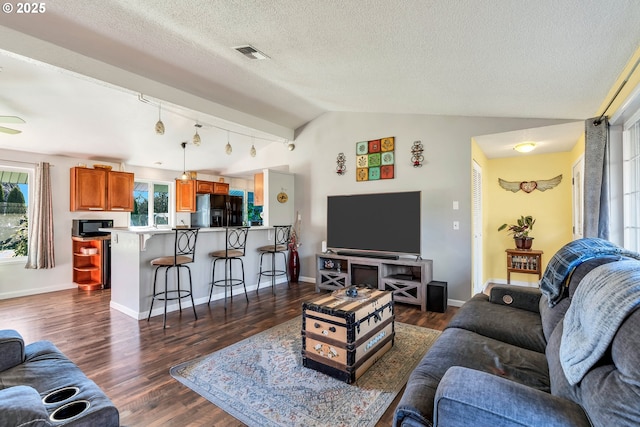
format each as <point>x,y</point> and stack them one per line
<point>261,380</point>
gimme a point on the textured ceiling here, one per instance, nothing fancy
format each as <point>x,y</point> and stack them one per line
<point>540,59</point>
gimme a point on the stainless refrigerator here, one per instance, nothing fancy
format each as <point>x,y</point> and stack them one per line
<point>202,216</point>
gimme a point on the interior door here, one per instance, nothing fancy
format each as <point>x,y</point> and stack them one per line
<point>478,283</point>
<point>578,194</point>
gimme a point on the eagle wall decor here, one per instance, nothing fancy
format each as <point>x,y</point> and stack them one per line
<point>529,186</point>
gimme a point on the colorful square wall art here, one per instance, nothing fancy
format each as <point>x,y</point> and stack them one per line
<point>375,159</point>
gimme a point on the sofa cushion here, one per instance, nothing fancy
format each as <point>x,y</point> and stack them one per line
<point>611,392</point>
<point>22,407</point>
<point>552,316</point>
<point>490,320</point>
<point>460,347</point>
<point>525,298</point>
<point>559,384</point>
<point>11,349</point>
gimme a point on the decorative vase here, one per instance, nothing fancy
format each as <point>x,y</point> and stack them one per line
<point>294,263</point>
<point>524,242</point>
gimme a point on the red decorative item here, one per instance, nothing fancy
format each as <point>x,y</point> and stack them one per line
<point>294,263</point>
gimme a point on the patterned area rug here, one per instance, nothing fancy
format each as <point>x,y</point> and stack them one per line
<point>261,380</point>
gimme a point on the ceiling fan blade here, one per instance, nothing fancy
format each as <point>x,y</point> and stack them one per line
<point>9,130</point>
<point>11,119</point>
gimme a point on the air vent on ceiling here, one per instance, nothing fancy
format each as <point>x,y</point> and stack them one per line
<point>251,52</point>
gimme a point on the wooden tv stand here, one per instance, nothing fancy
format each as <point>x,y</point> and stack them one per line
<point>407,278</point>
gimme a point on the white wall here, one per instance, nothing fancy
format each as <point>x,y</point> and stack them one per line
<point>445,177</point>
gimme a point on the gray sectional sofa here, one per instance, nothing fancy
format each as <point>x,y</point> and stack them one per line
<point>40,386</point>
<point>506,359</point>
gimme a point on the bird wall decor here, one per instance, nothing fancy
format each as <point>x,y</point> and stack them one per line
<point>529,186</point>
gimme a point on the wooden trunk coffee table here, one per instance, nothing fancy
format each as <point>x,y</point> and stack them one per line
<point>342,336</point>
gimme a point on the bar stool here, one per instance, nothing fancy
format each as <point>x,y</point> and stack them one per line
<point>184,250</point>
<point>236,242</point>
<point>279,246</point>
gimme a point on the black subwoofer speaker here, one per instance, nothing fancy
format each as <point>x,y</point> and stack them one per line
<point>437,296</point>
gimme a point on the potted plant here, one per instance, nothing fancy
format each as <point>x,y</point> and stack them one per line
<point>520,231</point>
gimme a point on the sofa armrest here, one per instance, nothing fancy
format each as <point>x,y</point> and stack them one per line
<point>468,397</point>
<point>11,349</point>
<point>22,406</point>
<point>516,296</point>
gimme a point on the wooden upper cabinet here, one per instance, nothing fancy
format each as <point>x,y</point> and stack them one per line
<point>220,188</point>
<point>120,191</point>
<point>204,187</point>
<point>185,195</point>
<point>258,189</point>
<point>88,189</point>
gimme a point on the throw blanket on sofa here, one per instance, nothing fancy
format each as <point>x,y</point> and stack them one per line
<point>605,297</point>
<point>569,257</point>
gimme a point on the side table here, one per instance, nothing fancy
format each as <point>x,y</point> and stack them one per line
<point>525,261</point>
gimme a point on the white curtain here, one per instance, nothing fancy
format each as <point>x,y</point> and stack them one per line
<point>596,178</point>
<point>40,254</point>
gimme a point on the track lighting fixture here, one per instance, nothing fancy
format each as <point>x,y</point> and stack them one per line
<point>291,146</point>
<point>227,148</point>
<point>196,137</point>
<point>159,124</point>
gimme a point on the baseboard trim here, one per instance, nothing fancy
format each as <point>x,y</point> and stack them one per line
<point>36,291</point>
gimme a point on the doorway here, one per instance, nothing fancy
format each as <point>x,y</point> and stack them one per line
<point>477,227</point>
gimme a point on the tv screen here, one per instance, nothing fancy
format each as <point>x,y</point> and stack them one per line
<point>382,222</point>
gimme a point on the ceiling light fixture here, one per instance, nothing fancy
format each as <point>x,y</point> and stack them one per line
<point>159,124</point>
<point>185,176</point>
<point>196,137</point>
<point>525,147</point>
<point>227,148</point>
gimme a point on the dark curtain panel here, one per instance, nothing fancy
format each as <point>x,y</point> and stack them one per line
<point>596,178</point>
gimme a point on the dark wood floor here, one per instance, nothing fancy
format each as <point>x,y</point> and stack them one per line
<point>130,359</point>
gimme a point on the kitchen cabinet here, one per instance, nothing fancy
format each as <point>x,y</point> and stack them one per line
<point>204,187</point>
<point>120,191</point>
<point>101,190</point>
<point>185,195</point>
<point>258,189</point>
<point>220,188</point>
<point>88,189</point>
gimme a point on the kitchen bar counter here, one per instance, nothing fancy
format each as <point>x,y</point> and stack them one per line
<point>132,250</point>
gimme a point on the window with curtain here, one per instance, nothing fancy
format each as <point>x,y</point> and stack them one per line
<point>631,182</point>
<point>150,204</point>
<point>14,213</point>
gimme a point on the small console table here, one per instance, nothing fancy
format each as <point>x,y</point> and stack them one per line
<point>525,261</point>
<point>407,278</point>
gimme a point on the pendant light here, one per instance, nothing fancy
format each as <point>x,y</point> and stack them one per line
<point>159,124</point>
<point>227,148</point>
<point>196,137</point>
<point>185,176</point>
<point>252,152</point>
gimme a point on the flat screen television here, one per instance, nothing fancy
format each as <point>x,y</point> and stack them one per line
<point>380,222</point>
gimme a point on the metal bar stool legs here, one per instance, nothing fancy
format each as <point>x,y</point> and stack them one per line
<point>236,240</point>
<point>185,246</point>
<point>279,246</point>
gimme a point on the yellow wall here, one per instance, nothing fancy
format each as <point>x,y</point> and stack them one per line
<point>552,209</point>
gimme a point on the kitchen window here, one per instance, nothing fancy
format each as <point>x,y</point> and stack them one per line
<point>14,213</point>
<point>151,201</point>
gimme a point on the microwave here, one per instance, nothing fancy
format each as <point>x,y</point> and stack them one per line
<point>90,227</point>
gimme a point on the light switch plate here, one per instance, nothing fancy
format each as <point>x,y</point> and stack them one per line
<point>456,205</point>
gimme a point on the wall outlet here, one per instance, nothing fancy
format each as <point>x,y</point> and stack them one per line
<point>456,225</point>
